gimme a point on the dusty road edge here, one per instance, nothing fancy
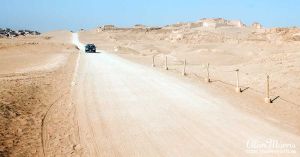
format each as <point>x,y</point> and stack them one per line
<point>65,95</point>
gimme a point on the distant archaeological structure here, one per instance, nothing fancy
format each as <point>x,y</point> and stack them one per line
<point>219,22</point>
<point>209,23</point>
<point>257,25</point>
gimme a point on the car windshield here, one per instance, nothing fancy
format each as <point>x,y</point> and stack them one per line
<point>90,45</point>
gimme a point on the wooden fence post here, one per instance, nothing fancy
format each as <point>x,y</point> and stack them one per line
<point>238,89</point>
<point>184,66</point>
<point>207,68</point>
<point>268,99</point>
<point>166,63</point>
<point>153,63</point>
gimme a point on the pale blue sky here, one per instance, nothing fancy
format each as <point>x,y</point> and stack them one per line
<point>45,15</point>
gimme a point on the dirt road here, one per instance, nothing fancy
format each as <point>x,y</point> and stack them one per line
<point>127,109</point>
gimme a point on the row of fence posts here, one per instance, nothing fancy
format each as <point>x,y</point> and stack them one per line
<point>238,89</point>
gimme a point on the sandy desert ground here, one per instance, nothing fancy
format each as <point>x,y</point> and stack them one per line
<point>35,111</point>
<point>56,100</point>
<point>255,52</point>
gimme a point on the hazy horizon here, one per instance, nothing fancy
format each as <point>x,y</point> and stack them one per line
<point>49,15</point>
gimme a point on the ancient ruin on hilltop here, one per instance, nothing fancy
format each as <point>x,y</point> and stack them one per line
<point>257,25</point>
<point>219,22</point>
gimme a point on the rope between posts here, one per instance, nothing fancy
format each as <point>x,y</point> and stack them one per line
<point>174,61</point>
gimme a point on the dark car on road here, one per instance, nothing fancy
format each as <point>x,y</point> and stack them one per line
<point>90,48</point>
